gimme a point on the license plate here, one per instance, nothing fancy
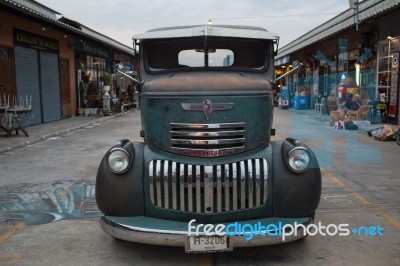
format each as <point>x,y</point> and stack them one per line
<point>203,244</point>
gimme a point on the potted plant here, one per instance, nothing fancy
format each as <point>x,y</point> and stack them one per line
<point>106,79</point>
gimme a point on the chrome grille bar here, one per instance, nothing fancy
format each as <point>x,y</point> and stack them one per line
<point>158,182</point>
<point>190,187</point>
<point>207,126</point>
<point>208,188</point>
<point>234,186</point>
<point>165,175</point>
<point>226,187</point>
<point>182,175</point>
<point>250,182</point>
<point>152,182</point>
<point>198,189</point>
<point>219,189</point>
<point>242,185</point>
<point>207,140</point>
<point>258,175</point>
<point>174,199</point>
<point>207,134</point>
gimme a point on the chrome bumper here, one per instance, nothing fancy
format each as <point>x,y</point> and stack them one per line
<point>154,231</point>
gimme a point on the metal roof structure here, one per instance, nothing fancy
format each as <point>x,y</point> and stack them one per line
<point>366,9</point>
<point>208,30</point>
<point>42,12</point>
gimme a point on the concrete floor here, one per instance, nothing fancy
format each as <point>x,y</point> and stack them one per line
<point>56,176</point>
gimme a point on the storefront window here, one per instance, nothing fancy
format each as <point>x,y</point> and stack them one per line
<point>95,66</point>
<point>384,65</point>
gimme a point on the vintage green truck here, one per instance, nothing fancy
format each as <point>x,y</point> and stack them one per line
<point>207,174</point>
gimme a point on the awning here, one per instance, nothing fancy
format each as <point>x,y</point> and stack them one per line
<point>367,9</point>
<point>282,61</point>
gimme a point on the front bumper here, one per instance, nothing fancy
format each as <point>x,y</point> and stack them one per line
<point>154,231</point>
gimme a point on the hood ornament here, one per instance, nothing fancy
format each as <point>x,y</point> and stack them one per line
<point>207,107</point>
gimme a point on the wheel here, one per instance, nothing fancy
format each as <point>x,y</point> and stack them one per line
<point>398,136</point>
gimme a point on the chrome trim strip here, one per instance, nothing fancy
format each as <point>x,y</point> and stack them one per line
<point>226,186</point>
<point>265,178</point>
<point>207,133</point>
<point>234,186</point>
<point>250,183</point>
<point>207,142</point>
<point>207,152</point>
<point>206,126</point>
<point>173,173</point>
<point>198,189</point>
<point>258,173</point>
<point>158,175</point>
<point>200,106</point>
<point>182,174</point>
<point>208,189</point>
<point>151,181</point>
<point>190,188</point>
<point>219,189</point>
<point>178,238</point>
<point>242,185</point>
<point>165,175</point>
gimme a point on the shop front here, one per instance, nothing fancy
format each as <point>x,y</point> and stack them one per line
<point>35,63</point>
<point>93,62</point>
<point>388,79</point>
<point>368,53</point>
<point>37,75</point>
<point>59,64</point>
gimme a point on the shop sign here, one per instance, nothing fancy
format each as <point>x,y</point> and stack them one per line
<point>35,41</point>
<point>92,49</point>
<point>354,54</point>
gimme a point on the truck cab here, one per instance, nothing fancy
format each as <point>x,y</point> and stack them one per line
<point>207,163</point>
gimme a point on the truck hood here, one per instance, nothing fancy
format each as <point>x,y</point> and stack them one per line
<point>207,83</point>
<point>203,115</point>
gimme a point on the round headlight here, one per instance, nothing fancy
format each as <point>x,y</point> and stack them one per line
<point>298,159</point>
<point>118,160</point>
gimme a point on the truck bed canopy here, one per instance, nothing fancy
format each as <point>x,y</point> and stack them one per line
<point>208,30</point>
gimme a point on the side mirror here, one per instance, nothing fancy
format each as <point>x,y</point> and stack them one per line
<point>296,69</point>
<point>296,66</point>
<point>121,69</point>
<point>135,46</point>
<point>276,45</point>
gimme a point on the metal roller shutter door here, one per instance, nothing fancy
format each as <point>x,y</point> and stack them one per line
<point>49,76</point>
<point>27,81</point>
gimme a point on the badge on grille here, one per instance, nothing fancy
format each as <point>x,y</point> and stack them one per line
<point>207,107</point>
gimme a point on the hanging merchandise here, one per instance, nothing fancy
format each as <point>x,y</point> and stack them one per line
<point>394,86</point>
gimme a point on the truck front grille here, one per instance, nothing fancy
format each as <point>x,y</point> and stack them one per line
<point>208,188</point>
<point>207,140</point>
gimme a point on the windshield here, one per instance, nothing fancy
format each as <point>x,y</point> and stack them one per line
<point>207,53</point>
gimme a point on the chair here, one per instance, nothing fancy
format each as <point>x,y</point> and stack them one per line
<point>360,114</point>
<point>318,107</point>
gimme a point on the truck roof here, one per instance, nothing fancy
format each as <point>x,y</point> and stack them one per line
<point>236,31</point>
